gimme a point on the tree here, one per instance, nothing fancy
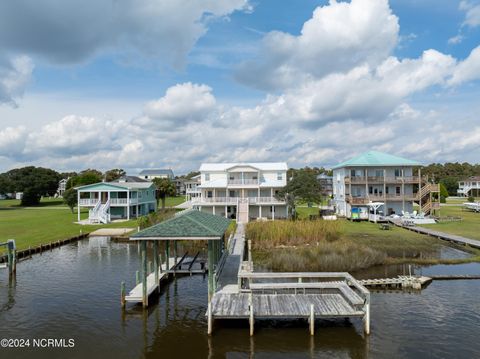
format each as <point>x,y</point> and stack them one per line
<point>443,193</point>
<point>114,174</point>
<point>70,198</point>
<point>303,186</point>
<point>192,174</point>
<point>165,187</point>
<point>85,178</point>
<point>34,182</point>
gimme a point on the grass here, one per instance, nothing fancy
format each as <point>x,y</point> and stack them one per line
<point>51,221</point>
<point>469,226</point>
<point>339,246</point>
<point>173,201</point>
<point>305,212</point>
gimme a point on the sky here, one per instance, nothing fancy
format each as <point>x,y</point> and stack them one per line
<point>139,84</point>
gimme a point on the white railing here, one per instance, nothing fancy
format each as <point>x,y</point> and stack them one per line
<point>88,201</point>
<point>113,201</point>
<point>239,181</point>
<point>215,199</point>
<point>255,200</point>
<point>251,200</point>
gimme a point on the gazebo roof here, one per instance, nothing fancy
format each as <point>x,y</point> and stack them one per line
<point>187,225</point>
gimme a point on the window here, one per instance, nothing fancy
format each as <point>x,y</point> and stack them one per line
<point>386,190</point>
<point>209,194</point>
<point>370,189</point>
<point>378,173</point>
<point>207,176</point>
<point>352,173</point>
<point>232,177</point>
<point>140,194</point>
<point>279,176</point>
<point>397,190</point>
<point>232,194</point>
<point>398,172</point>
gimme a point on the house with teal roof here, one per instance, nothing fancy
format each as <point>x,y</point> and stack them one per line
<point>126,198</point>
<point>392,183</point>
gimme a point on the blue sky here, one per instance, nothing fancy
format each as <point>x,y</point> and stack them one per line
<point>173,83</point>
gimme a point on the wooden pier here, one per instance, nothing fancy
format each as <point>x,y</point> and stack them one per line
<point>245,294</point>
<point>402,281</point>
<point>440,235</point>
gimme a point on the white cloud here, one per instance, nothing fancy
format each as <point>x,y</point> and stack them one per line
<point>358,100</point>
<point>15,74</point>
<point>12,141</point>
<point>181,104</point>
<point>468,69</point>
<point>455,39</point>
<point>64,32</point>
<point>472,13</point>
<point>338,37</point>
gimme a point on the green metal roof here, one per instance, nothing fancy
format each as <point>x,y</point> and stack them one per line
<point>190,224</point>
<point>375,158</point>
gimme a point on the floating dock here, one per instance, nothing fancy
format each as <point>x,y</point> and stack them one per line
<point>402,281</point>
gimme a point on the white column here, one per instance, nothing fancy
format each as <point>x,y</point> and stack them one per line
<point>226,215</point>
<point>260,211</point>
<point>273,212</point>
<point>128,204</point>
<point>271,192</point>
<point>213,209</point>
<point>78,205</point>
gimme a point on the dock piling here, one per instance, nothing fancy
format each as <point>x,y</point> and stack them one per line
<point>144,274</point>
<point>122,294</point>
<point>312,320</point>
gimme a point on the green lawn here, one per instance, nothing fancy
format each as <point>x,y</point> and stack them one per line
<point>450,200</point>
<point>305,212</point>
<point>469,227</point>
<point>173,201</point>
<point>31,226</point>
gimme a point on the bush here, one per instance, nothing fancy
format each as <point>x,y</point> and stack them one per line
<point>471,199</point>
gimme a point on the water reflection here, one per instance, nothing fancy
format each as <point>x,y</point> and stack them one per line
<point>73,291</point>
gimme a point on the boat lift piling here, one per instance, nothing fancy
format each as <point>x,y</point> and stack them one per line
<point>11,257</point>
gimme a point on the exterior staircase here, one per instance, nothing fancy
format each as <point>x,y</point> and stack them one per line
<point>428,203</point>
<point>242,215</point>
<point>100,213</point>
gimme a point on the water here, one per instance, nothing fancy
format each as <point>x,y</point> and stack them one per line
<point>74,292</point>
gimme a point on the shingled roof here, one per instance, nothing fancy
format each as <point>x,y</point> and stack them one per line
<point>187,225</point>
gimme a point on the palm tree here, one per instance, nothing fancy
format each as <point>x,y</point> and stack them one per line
<point>165,187</point>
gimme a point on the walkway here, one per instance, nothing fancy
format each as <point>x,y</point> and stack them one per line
<point>229,274</point>
<point>441,235</point>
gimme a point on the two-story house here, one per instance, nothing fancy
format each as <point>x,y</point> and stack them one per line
<point>469,187</point>
<point>124,198</point>
<point>191,188</point>
<point>242,190</point>
<point>386,180</point>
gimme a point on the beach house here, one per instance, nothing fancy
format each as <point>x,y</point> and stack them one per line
<point>243,191</point>
<point>384,183</point>
<point>469,187</point>
<point>124,198</point>
<point>191,187</point>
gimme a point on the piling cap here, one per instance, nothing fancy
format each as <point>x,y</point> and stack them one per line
<point>11,244</point>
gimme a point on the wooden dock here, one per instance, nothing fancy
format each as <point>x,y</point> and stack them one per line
<point>402,281</point>
<point>174,267</point>
<point>242,293</point>
<point>440,235</point>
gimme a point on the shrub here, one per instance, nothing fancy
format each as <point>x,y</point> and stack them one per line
<point>471,199</point>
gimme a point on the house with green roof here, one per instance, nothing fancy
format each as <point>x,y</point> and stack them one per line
<point>387,180</point>
<point>125,198</point>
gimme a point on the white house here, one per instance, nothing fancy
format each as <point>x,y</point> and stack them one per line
<point>383,179</point>
<point>62,185</point>
<point>242,190</point>
<point>122,199</point>
<point>469,187</point>
<point>191,187</point>
<point>150,174</point>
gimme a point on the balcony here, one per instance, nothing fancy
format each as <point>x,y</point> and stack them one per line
<point>113,201</point>
<point>387,180</point>
<point>242,182</point>
<point>234,200</point>
<point>381,198</point>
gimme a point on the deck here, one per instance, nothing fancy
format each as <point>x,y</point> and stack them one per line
<point>242,293</point>
<point>440,235</point>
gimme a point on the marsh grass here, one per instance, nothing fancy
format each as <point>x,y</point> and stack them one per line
<point>339,246</point>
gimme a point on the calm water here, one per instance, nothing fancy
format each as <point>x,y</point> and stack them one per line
<point>73,292</point>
